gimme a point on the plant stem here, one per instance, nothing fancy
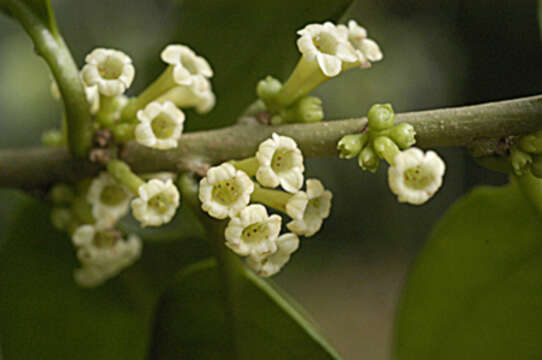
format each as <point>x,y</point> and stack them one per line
<point>50,45</point>
<point>461,126</point>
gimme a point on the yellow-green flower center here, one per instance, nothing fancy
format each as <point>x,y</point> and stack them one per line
<point>106,238</point>
<point>160,203</point>
<point>112,195</point>
<point>255,232</point>
<point>189,64</point>
<point>163,126</point>
<point>283,160</point>
<point>110,68</point>
<point>325,43</point>
<point>226,192</point>
<point>418,178</point>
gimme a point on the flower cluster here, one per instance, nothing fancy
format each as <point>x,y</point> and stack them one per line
<point>413,176</point>
<point>326,50</point>
<point>227,190</point>
<point>153,118</point>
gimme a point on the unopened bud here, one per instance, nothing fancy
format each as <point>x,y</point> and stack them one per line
<point>368,160</point>
<point>381,117</point>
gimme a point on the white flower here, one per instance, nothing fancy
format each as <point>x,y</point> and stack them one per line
<point>367,50</point>
<point>324,44</point>
<point>160,125</point>
<point>314,213</point>
<point>111,70</point>
<point>198,95</point>
<point>187,66</point>
<point>108,199</point>
<point>280,162</point>
<point>253,232</point>
<point>102,254</point>
<point>269,266</point>
<point>225,191</point>
<point>415,177</point>
<point>157,202</point>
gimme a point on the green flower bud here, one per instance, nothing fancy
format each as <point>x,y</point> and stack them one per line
<point>386,148</point>
<point>124,132</point>
<point>82,211</point>
<point>61,194</point>
<point>532,143</point>
<point>52,138</point>
<point>350,145</point>
<point>307,110</point>
<point>520,160</point>
<point>536,167</point>
<point>368,160</point>
<point>403,134</point>
<point>61,218</point>
<point>381,117</point>
<point>268,88</point>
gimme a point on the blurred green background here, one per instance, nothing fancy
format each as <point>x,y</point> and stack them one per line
<point>436,54</point>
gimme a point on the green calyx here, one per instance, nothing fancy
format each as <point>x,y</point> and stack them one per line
<point>368,160</point>
<point>351,145</point>
<point>268,88</point>
<point>520,160</point>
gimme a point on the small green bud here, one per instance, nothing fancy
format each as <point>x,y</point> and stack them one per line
<point>307,110</point>
<point>61,218</point>
<point>536,167</point>
<point>520,160</point>
<point>368,160</point>
<point>386,148</point>
<point>403,134</point>
<point>350,145</point>
<point>61,194</point>
<point>52,138</point>
<point>268,88</point>
<point>82,211</point>
<point>532,143</point>
<point>381,117</point>
<point>124,132</point>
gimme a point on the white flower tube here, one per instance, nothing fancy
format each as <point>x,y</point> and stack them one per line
<point>102,254</point>
<point>160,125</point>
<point>108,199</point>
<point>324,44</point>
<point>280,162</point>
<point>110,70</point>
<point>415,177</point>
<point>318,205</point>
<point>198,95</point>
<point>187,66</point>
<point>157,202</point>
<point>225,191</point>
<point>272,264</point>
<point>253,232</point>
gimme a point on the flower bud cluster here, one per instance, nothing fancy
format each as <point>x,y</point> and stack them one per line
<point>327,50</point>
<point>526,155</point>
<point>413,176</point>
<point>228,190</point>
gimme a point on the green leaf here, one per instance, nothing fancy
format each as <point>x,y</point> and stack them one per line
<point>44,314</point>
<point>244,41</point>
<point>475,291</point>
<point>191,322</point>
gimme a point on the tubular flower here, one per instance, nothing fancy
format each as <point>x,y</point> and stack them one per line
<point>187,66</point>
<point>160,125</point>
<point>415,177</point>
<point>225,191</point>
<point>108,199</point>
<point>253,232</point>
<point>198,95</point>
<point>103,254</point>
<point>157,202</point>
<point>367,50</point>
<point>324,44</point>
<point>280,162</point>
<point>110,70</point>
<point>272,264</point>
<point>316,210</point>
